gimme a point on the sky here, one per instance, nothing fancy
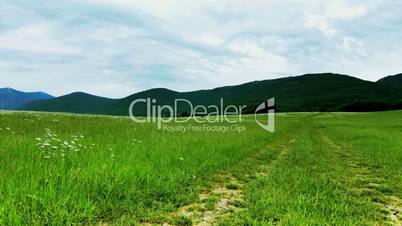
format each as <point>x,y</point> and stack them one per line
<point>115,48</point>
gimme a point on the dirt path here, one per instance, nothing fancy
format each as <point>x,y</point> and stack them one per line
<point>367,182</point>
<point>225,197</point>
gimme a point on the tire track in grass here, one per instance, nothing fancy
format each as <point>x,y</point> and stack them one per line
<point>367,182</point>
<point>264,169</point>
<point>223,199</point>
<point>226,197</point>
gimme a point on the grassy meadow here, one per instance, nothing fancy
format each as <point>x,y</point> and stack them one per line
<point>316,169</point>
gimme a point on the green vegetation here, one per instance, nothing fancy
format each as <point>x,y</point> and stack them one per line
<point>342,169</point>
<point>232,186</point>
<point>60,169</point>
<point>316,169</point>
<point>312,92</point>
<point>182,221</point>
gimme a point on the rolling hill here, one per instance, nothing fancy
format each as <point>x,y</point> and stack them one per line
<point>392,80</point>
<point>11,99</point>
<point>77,102</point>
<point>310,92</point>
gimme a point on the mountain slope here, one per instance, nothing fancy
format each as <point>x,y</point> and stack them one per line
<point>311,92</point>
<point>74,103</point>
<point>11,99</point>
<point>392,80</point>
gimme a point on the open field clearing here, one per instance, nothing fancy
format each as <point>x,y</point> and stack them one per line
<point>316,169</point>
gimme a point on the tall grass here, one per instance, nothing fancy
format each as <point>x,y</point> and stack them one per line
<point>62,169</point>
<point>315,184</point>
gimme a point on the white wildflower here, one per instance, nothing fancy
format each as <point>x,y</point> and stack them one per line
<point>38,139</point>
<point>181,158</point>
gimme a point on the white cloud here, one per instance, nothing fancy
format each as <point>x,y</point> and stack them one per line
<point>343,10</point>
<point>34,38</point>
<point>162,8</point>
<point>329,11</point>
<point>118,47</point>
<point>207,39</point>
<point>249,48</point>
<point>113,34</point>
<point>252,63</point>
<point>352,45</point>
<point>321,23</point>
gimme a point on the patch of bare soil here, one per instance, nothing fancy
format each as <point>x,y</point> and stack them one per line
<point>225,198</point>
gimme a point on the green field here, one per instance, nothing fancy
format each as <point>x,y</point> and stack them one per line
<point>316,169</point>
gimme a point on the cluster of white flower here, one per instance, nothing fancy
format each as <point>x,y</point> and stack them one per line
<point>7,128</point>
<point>135,142</point>
<point>32,118</point>
<point>54,147</point>
<point>112,155</point>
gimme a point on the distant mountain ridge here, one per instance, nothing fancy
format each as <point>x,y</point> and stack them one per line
<point>77,102</point>
<point>11,99</point>
<point>310,92</point>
